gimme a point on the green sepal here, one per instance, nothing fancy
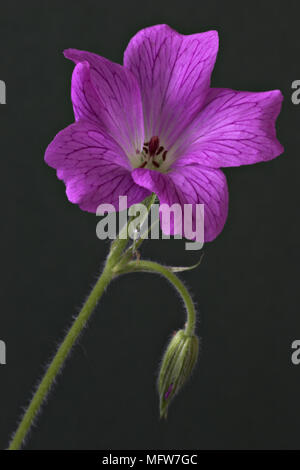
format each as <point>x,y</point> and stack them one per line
<point>179,269</point>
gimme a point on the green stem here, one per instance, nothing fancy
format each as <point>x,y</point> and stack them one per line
<point>115,255</point>
<point>59,359</point>
<point>151,266</point>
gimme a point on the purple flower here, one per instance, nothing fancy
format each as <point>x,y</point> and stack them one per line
<point>155,125</point>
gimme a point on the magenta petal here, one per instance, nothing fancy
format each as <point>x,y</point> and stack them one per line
<point>86,103</point>
<point>173,72</point>
<point>234,128</point>
<point>193,184</point>
<point>93,167</point>
<point>120,106</point>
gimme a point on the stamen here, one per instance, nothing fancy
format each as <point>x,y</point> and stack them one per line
<point>152,154</point>
<point>153,145</point>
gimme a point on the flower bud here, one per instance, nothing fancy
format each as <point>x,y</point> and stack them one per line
<point>177,365</point>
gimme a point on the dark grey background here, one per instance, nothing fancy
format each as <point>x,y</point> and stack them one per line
<point>245,391</point>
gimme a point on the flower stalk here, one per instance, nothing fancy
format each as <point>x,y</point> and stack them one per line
<point>60,358</point>
<point>153,267</point>
<point>115,256</point>
<point>119,261</point>
<point>182,352</point>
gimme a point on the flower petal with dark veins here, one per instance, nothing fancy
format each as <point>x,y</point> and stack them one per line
<point>93,167</point>
<point>192,184</point>
<point>120,104</point>
<point>86,102</point>
<point>173,71</point>
<point>234,128</point>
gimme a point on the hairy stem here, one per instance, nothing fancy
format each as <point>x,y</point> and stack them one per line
<point>116,255</point>
<point>59,359</point>
<point>151,266</point>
